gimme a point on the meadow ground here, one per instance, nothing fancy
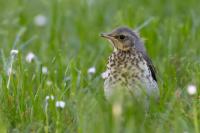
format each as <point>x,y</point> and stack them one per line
<point>63,37</point>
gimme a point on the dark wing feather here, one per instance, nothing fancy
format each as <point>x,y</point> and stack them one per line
<point>150,65</point>
<point>139,45</point>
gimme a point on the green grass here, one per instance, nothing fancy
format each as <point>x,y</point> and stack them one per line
<point>69,44</point>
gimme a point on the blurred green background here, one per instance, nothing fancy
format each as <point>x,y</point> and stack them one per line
<point>66,40</point>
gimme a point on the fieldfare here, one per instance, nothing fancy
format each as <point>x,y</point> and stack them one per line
<point>129,68</point>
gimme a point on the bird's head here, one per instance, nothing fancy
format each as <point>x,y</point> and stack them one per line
<point>123,39</point>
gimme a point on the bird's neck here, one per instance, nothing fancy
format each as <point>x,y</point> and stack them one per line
<point>122,55</point>
<point>124,51</point>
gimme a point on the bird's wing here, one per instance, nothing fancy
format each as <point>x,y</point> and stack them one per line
<point>150,65</point>
<point>139,45</point>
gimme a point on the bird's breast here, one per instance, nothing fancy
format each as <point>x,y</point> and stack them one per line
<point>127,64</point>
<point>129,71</point>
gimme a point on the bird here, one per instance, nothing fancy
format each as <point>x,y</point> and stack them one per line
<point>129,68</point>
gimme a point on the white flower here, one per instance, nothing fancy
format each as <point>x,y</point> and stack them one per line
<point>9,71</point>
<point>91,70</point>
<point>191,89</point>
<point>49,97</point>
<point>30,57</point>
<point>104,75</point>
<point>40,20</point>
<point>14,52</point>
<point>60,104</point>
<point>116,109</point>
<point>44,70</point>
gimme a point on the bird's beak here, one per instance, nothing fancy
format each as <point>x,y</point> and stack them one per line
<point>107,36</point>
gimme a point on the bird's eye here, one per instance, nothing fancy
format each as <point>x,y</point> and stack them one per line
<point>121,37</point>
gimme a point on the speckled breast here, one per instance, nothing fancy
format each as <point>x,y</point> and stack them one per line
<point>128,70</point>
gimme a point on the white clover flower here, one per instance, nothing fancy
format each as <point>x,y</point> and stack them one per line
<point>14,52</point>
<point>47,97</point>
<point>51,97</point>
<point>91,70</point>
<point>104,75</point>
<point>116,109</point>
<point>40,20</point>
<point>60,104</point>
<point>191,89</point>
<point>44,70</point>
<point>9,71</point>
<point>30,57</point>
